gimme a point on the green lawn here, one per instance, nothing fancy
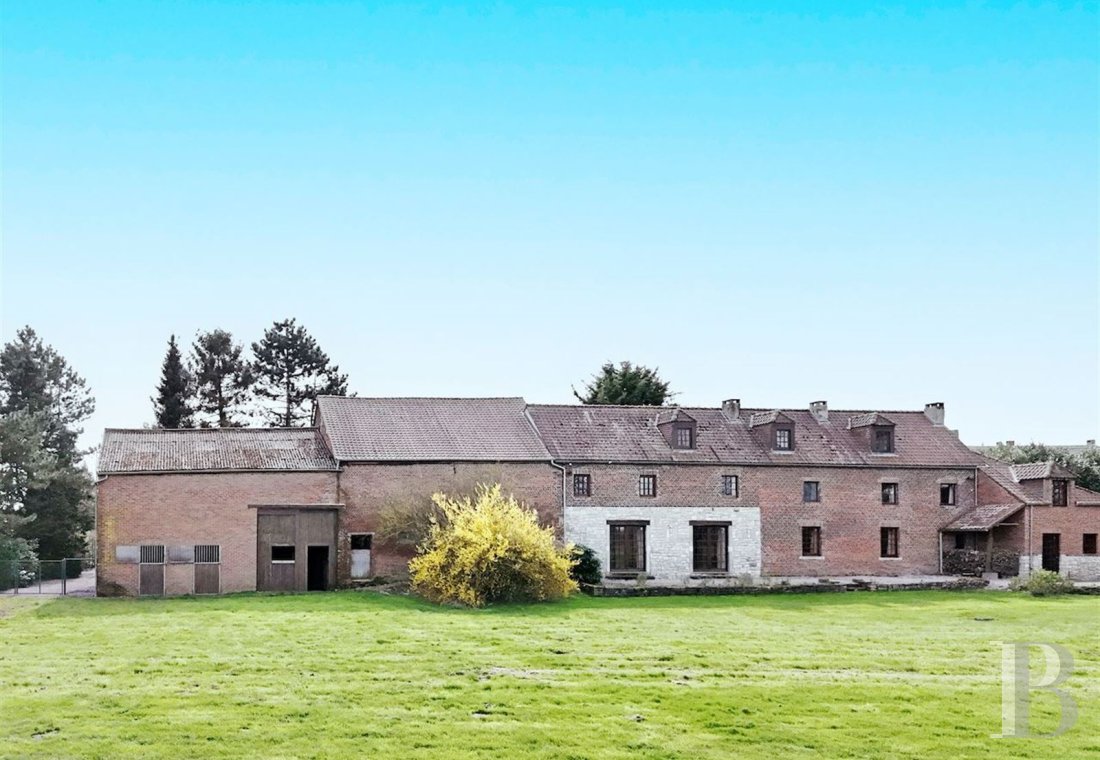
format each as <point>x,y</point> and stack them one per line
<point>354,674</point>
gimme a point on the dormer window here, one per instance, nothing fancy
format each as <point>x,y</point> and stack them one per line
<point>1059,496</point>
<point>884,441</point>
<point>685,438</point>
<point>677,427</point>
<point>784,439</point>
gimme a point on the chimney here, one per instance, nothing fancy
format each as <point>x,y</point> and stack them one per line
<point>934,412</point>
<point>820,410</point>
<point>732,408</point>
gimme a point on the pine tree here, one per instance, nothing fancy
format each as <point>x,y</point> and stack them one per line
<point>222,379</point>
<point>36,379</point>
<point>291,370</point>
<point>625,384</point>
<point>172,404</point>
<point>45,495</point>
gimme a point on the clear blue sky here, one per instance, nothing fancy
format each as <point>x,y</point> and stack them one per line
<point>876,204</point>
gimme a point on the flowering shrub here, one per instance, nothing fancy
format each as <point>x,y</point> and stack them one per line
<point>489,549</point>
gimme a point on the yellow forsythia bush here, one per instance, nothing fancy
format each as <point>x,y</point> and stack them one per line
<point>489,549</point>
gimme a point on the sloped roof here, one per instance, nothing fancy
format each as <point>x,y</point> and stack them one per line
<point>984,517</point>
<point>673,414</point>
<point>1001,474</point>
<point>1039,471</point>
<point>213,450</point>
<point>1083,497</point>
<point>429,429</point>
<point>628,434</point>
<point>868,418</point>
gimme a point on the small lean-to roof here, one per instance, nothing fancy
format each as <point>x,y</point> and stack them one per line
<point>595,433</point>
<point>212,450</point>
<point>984,518</point>
<point>429,429</point>
<point>1083,497</point>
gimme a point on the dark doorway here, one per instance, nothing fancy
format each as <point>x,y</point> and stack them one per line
<point>317,578</point>
<point>1052,550</point>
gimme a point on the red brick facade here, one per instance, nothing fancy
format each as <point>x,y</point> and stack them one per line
<point>850,512</point>
<point>368,489</point>
<point>191,509</point>
<point>261,493</point>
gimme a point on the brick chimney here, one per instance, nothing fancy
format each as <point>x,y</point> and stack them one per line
<point>934,412</point>
<point>732,408</point>
<point>820,410</point>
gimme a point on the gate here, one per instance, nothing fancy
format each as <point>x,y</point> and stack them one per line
<point>73,576</point>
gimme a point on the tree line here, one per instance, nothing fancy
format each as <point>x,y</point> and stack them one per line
<point>217,385</point>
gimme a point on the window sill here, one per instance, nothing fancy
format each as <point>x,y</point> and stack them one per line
<point>282,562</point>
<point>884,453</point>
<point>701,574</point>
<point>811,556</point>
<point>889,559</point>
<point>619,575</point>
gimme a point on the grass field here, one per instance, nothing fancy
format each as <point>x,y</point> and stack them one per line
<point>351,674</point>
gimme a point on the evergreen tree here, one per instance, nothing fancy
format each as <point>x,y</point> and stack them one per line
<point>45,496</point>
<point>625,384</point>
<point>222,379</point>
<point>172,404</point>
<point>291,370</point>
<point>35,378</point>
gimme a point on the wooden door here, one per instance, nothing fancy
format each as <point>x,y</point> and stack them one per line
<point>1052,551</point>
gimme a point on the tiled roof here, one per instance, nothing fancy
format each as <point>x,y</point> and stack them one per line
<point>213,449</point>
<point>429,429</point>
<point>1085,498</point>
<point>628,434</point>
<point>765,418</point>
<point>672,415</point>
<point>868,418</point>
<point>984,517</point>
<point>1039,471</point>
<point>1001,474</point>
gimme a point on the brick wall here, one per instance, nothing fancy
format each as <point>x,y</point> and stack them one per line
<point>1070,522</point>
<point>367,489</point>
<point>850,513</point>
<point>189,509</point>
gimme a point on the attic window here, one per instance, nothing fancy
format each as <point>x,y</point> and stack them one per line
<point>685,437</point>
<point>784,439</point>
<point>1060,493</point>
<point>884,441</point>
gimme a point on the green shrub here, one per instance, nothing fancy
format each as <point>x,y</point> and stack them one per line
<point>586,566</point>
<point>490,549</point>
<point>1006,563</point>
<point>963,562</point>
<point>1043,583</point>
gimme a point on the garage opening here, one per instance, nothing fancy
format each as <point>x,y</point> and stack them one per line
<point>317,561</point>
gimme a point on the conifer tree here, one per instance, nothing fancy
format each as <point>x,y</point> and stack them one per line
<point>172,404</point>
<point>290,371</point>
<point>222,379</point>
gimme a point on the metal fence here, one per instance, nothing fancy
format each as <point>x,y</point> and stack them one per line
<point>70,576</point>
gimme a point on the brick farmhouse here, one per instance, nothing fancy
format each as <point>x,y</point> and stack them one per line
<point>674,495</point>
